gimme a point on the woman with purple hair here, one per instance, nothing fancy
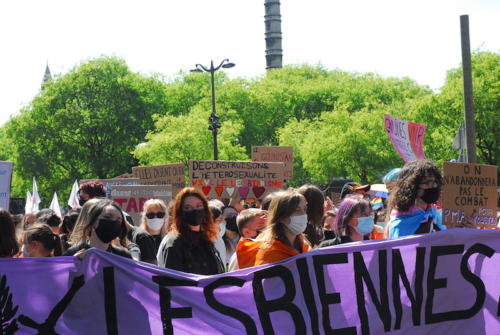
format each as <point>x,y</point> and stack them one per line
<point>353,222</point>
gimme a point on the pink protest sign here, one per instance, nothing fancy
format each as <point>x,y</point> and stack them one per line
<point>406,137</point>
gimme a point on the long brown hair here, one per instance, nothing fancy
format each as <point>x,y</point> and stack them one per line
<point>411,175</point>
<point>282,206</point>
<point>315,210</point>
<point>8,242</point>
<point>208,228</point>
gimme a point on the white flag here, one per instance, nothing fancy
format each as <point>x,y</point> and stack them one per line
<point>35,200</point>
<point>73,197</point>
<point>29,203</point>
<point>54,205</point>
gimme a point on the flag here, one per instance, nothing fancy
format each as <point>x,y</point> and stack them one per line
<point>35,200</point>
<point>29,204</point>
<point>73,197</point>
<point>54,205</point>
<point>377,203</point>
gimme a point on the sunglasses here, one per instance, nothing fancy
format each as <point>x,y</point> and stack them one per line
<point>152,215</point>
<point>247,206</point>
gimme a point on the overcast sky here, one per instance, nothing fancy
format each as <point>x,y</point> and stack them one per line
<point>418,39</point>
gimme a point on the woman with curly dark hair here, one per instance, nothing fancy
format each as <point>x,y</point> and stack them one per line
<point>417,189</point>
<point>189,247</point>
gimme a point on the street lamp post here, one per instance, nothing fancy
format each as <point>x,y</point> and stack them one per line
<point>214,118</point>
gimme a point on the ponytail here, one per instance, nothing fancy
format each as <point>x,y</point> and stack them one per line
<point>43,234</point>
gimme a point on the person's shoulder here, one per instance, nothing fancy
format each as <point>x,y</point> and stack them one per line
<point>138,233</point>
<point>74,249</point>
<point>170,239</point>
<point>120,252</point>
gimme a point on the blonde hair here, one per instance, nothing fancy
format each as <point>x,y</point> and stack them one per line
<point>158,203</point>
<point>76,236</point>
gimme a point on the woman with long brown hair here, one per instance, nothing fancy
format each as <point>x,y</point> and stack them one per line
<point>189,246</point>
<point>287,221</point>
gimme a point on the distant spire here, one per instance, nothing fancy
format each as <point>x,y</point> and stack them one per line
<point>47,76</point>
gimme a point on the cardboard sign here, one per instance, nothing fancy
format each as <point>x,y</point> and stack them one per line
<point>109,183</point>
<point>169,174</point>
<point>5,181</point>
<point>228,179</point>
<point>470,190</point>
<point>406,137</point>
<point>275,154</point>
<point>131,198</point>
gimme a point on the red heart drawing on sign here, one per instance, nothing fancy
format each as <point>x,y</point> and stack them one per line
<point>219,190</point>
<point>258,191</point>
<point>244,191</point>
<point>206,189</point>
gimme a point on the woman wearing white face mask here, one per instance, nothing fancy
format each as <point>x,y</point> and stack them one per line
<point>287,221</point>
<point>152,229</point>
<point>354,222</point>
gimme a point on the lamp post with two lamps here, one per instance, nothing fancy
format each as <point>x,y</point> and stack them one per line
<point>213,119</point>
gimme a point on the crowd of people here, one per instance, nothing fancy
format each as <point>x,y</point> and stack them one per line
<point>196,235</point>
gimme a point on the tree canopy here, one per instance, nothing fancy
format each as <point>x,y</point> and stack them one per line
<point>100,119</point>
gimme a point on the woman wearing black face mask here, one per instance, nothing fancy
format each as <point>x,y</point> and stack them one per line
<point>417,189</point>
<point>190,245</point>
<point>231,236</point>
<point>101,223</point>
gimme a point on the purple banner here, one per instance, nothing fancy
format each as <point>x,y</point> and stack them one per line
<point>445,282</point>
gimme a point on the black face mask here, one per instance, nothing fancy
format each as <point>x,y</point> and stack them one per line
<point>107,230</point>
<point>81,201</point>
<point>231,224</point>
<point>194,218</point>
<point>431,195</point>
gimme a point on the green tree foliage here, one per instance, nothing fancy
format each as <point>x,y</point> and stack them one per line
<point>89,122</point>
<point>186,137</point>
<point>84,125</point>
<point>444,112</point>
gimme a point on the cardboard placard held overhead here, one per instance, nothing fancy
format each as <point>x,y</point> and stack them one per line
<point>131,198</point>
<point>470,190</point>
<point>110,183</point>
<point>228,179</point>
<point>275,154</point>
<point>168,174</point>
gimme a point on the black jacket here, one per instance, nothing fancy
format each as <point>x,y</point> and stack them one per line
<point>199,257</point>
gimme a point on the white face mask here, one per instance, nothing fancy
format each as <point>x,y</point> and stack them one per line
<point>298,224</point>
<point>155,224</point>
<point>222,231</point>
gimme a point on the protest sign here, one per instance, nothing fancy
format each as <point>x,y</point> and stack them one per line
<point>470,190</point>
<point>169,174</point>
<point>109,183</point>
<point>406,137</point>
<point>439,283</point>
<point>5,180</point>
<point>131,198</point>
<point>275,154</point>
<point>227,179</point>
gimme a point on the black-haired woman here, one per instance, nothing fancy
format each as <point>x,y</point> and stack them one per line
<point>40,241</point>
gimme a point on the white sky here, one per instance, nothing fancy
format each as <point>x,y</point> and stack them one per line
<point>418,39</point>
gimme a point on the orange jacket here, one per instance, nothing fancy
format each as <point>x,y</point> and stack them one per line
<point>252,253</point>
